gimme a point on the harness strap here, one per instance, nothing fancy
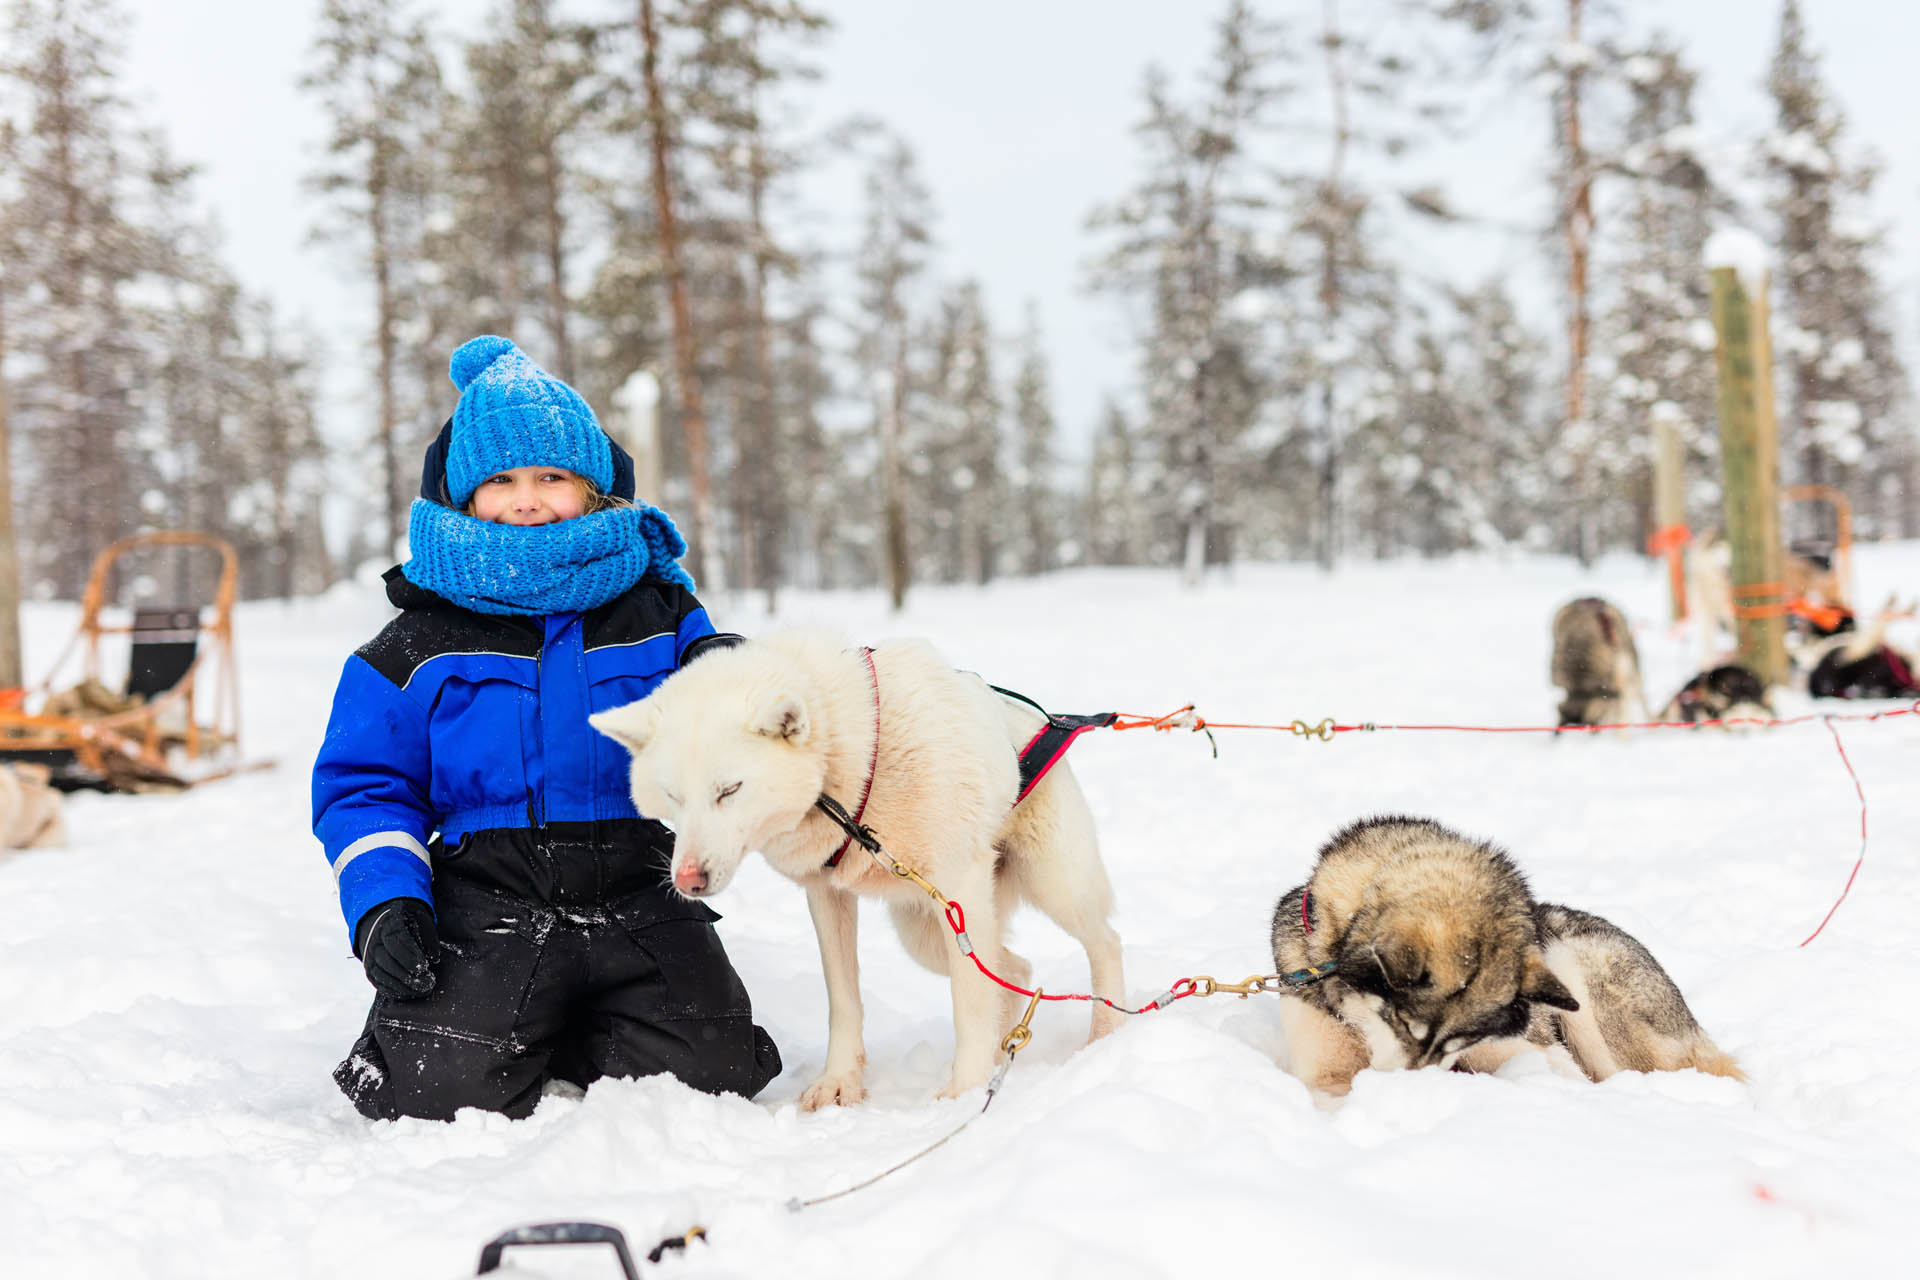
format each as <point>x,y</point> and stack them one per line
<point>873,763</point>
<point>1045,748</point>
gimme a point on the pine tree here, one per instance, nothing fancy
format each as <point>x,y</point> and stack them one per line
<point>1187,237</point>
<point>1032,488</point>
<point>1503,383</point>
<point>1847,417</point>
<point>892,256</point>
<point>1114,501</point>
<point>662,125</point>
<point>737,68</point>
<point>75,251</point>
<point>816,493</point>
<point>535,94</point>
<point>1556,48</point>
<point>1656,336</point>
<point>1336,212</point>
<point>10,670</point>
<point>954,443</point>
<point>378,81</point>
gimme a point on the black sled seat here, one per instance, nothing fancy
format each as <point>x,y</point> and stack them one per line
<point>166,640</point>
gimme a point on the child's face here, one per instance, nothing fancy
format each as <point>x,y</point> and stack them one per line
<point>529,495</point>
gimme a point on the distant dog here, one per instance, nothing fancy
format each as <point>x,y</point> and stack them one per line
<point>1853,661</point>
<point>1595,664</point>
<point>1728,692</point>
<point>1441,957</point>
<point>30,810</point>
<point>733,750</point>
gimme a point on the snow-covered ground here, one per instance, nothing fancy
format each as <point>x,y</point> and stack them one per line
<point>175,987</point>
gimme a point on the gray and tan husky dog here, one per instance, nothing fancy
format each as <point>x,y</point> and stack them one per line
<point>1441,957</point>
<point>1595,662</point>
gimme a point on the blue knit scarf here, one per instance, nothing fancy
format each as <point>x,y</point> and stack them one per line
<point>568,567</point>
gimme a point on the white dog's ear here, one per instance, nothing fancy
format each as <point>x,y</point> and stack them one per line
<point>783,716</point>
<point>632,726</point>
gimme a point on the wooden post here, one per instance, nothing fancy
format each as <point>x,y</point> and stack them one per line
<point>1750,461</point>
<point>1670,533</point>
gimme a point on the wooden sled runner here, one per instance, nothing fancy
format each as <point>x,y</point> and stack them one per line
<point>175,722</point>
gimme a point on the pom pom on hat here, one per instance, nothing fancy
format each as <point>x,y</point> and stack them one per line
<point>471,358</point>
<point>512,413</point>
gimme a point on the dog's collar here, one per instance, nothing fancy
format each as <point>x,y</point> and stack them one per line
<point>873,762</point>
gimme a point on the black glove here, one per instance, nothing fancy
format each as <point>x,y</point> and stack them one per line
<point>398,944</point>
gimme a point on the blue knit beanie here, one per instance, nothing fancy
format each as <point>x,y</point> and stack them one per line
<point>512,413</point>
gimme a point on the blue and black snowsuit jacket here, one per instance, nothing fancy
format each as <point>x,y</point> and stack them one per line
<point>451,723</point>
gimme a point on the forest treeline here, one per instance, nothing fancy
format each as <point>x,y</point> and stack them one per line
<point>618,185</point>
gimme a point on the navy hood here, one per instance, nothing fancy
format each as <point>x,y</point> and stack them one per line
<point>433,469</point>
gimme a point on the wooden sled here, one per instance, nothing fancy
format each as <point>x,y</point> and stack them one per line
<point>1834,544</point>
<point>180,704</point>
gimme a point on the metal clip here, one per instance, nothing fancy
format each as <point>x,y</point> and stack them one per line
<point>1323,731</point>
<point>1017,1038</point>
<point>906,872</point>
<point>1205,986</point>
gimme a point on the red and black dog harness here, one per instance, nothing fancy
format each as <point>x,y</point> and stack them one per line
<point>1041,753</point>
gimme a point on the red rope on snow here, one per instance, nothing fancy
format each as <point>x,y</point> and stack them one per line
<point>1861,792</point>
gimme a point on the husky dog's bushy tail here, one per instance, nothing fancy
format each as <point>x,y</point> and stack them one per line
<point>1631,1016</point>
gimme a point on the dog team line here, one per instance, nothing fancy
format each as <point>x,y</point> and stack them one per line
<point>750,748</point>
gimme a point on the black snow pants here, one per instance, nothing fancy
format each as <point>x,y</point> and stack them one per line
<point>564,956</point>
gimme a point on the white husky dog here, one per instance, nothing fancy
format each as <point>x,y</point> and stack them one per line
<point>733,750</point>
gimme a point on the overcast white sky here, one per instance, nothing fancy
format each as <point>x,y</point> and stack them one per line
<point>1021,112</point>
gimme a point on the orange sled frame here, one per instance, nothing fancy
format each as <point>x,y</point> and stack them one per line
<point>142,734</point>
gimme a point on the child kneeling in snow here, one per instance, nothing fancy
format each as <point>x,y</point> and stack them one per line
<point>508,902</point>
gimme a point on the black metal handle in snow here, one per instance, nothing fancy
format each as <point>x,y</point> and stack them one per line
<point>558,1233</point>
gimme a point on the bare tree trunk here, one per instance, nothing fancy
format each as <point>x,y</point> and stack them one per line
<point>556,267</point>
<point>746,460</point>
<point>10,665</point>
<point>892,423</point>
<point>1577,224</point>
<point>767,470</point>
<point>693,411</point>
<point>377,180</point>
<point>509,259</point>
<point>1331,293</point>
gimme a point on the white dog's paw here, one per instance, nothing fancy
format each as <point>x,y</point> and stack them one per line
<point>844,1090</point>
<point>964,1083</point>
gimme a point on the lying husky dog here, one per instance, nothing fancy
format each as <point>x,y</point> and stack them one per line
<point>30,809</point>
<point>1727,692</point>
<point>1595,662</point>
<point>1855,660</point>
<point>1441,957</point>
<point>734,750</point>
